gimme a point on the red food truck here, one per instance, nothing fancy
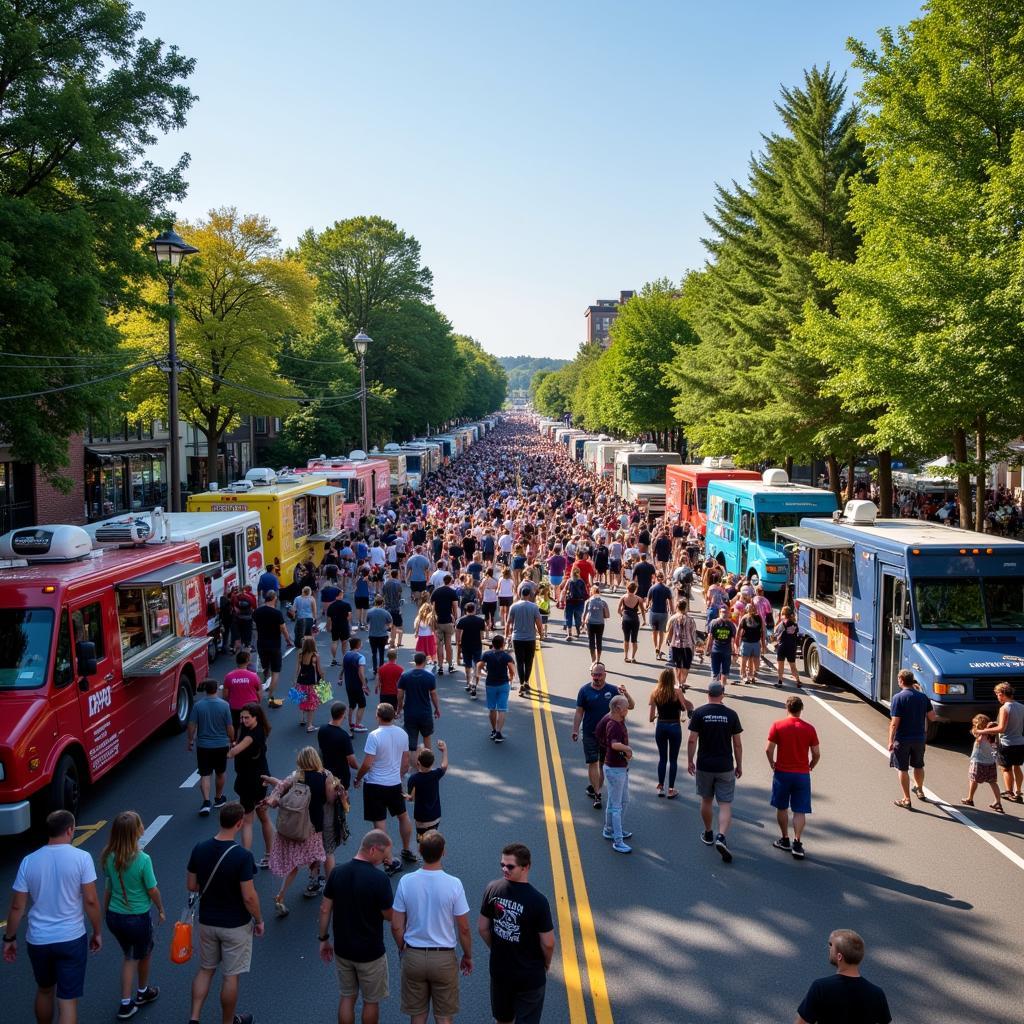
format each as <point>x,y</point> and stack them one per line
<point>686,488</point>
<point>99,648</point>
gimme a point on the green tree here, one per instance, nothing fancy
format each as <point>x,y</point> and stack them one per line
<point>82,95</point>
<point>553,397</point>
<point>485,381</point>
<point>928,319</point>
<point>237,301</point>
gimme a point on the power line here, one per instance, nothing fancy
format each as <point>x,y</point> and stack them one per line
<point>317,362</point>
<point>43,358</point>
<point>80,384</point>
<point>325,399</point>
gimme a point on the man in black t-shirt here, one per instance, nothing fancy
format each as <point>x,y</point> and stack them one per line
<point>446,604</point>
<point>643,575</point>
<point>339,617</point>
<point>515,923</point>
<point>335,744</point>
<point>222,872</point>
<point>469,642</point>
<point>270,629</point>
<point>358,898</point>
<point>845,996</point>
<point>715,757</point>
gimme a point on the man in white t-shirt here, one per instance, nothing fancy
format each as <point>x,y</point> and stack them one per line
<point>385,762</point>
<point>61,880</point>
<point>430,916</point>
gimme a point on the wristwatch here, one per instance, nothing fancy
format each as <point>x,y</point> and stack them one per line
<point>10,938</point>
<point>324,938</point>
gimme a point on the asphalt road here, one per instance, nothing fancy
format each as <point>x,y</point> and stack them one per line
<point>668,934</point>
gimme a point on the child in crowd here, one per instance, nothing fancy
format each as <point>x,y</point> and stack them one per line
<point>544,607</point>
<point>982,768</point>
<point>425,628</point>
<point>424,788</point>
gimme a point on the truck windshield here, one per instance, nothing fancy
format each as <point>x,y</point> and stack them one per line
<point>949,604</point>
<point>769,522</point>
<point>412,464</point>
<point>702,499</point>
<point>25,635</point>
<point>1004,601</point>
<point>647,474</point>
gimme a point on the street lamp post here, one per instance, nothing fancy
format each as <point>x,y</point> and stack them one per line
<point>361,341</point>
<point>170,249</point>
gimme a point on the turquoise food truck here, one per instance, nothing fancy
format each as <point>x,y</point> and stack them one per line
<point>876,596</point>
<point>743,516</point>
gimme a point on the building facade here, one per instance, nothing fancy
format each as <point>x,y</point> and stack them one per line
<point>600,317</point>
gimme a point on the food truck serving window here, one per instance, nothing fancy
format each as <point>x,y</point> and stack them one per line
<point>832,577</point>
<point>144,617</point>
<point>299,526</point>
<point>949,604</point>
<point>25,635</point>
<point>1004,601</point>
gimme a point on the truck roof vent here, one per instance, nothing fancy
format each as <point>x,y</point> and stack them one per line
<point>649,447</point>
<point>357,455</point>
<point>774,478</point>
<point>392,447</point>
<point>261,476</point>
<point>240,486</point>
<point>46,544</point>
<point>289,478</point>
<point>860,512</point>
<point>717,462</point>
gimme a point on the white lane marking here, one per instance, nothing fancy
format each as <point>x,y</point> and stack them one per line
<point>154,826</point>
<point>192,780</point>
<point>934,798</point>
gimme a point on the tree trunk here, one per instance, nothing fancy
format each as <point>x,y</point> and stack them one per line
<point>212,446</point>
<point>851,476</point>
<point>885,483</point>
<point>980,442</point>
<point>833,476</point>
<point>788,466</point>
<point>963,479</point>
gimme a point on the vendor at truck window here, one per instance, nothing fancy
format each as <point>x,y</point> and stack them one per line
<point>144,617</point>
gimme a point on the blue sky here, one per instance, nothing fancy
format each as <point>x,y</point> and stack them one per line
<point>544,154</point>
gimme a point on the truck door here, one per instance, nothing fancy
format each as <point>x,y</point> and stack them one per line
<point>105,702</point>
<point>891,633</point>
<point>746,529</point>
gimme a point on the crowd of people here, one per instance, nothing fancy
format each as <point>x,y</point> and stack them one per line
<point>495,549</point>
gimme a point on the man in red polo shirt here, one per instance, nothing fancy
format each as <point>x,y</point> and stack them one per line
<point>387,679</point>
<point>792,751</point>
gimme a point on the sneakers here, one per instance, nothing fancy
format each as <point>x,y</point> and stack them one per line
<point>622,848</point>
<point>608,835</point>
<point>782,843</point>
<point>722,847</point>
<point>498,738</point>
<point>494,732</point>
<point>597,802</point>
<point>590,792</point>
<point>359,728</point>
<point>707,838</point>
<point>146,995</point>
<point>472,693</point>
<point>126,1011</point>
<point>220,801</point>
<point>243,1018</point>
<point>204,810</point>
<point>798,849</point>
<point>410,857</point>
<point>312,890</point>
<point>393,868</point>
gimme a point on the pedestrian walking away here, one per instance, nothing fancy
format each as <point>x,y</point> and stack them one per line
<point>667,705</point>
<point>792,751</point>
<point>516,926</point>
<point>357,901</point>
<point>249,752</point>
<point>613,738</point>
<point>844,997</point>
<point>431,917</point>
<point>523,625</point>
<point>60,882</point>
<point>270,631</point>
<point>417,698</point>
<point>221,873</point>
<point>714,754</point>
<point>424,788</point>
<point>910,711</point>
<point>210,733</point>
<point>499,670</point>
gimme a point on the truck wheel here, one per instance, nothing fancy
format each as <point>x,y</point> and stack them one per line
<point>755,580</point>
<point>66,787</point>
<point>812,662</point>
<point>212,649</point>
<point>182,705</point>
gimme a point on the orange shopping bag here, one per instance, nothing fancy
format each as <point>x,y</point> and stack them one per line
<point>181,939</point>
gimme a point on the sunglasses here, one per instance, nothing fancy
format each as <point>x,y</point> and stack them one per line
<point>509,867</point>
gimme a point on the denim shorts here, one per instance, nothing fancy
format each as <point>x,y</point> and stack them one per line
<point>134,933</point>
<point>61,964</point>
<point>750,649</point>
<point>792,789</point>
<point>497,697</point>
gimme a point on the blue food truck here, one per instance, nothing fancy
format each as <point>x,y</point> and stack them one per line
<point>743,516</point>
<point>874,597</point>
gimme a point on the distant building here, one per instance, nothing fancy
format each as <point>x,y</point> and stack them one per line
<point>599,317</point>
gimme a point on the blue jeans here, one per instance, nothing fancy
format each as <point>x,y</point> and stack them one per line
<point>669,737</point>
<point>616,784</point>
<point>574,615</point>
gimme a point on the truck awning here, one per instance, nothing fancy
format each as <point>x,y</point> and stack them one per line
<point>816,540</point>
<point>325,491</point>
<point>163,657</point>
<point>168,574</point>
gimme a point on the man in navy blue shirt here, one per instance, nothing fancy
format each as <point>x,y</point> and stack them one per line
<point>267,582</point>
<point>909,715</point>
<point>417,697</point>
<point>592,704</point>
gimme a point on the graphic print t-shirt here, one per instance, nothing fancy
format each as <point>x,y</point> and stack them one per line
<point>519,915</point>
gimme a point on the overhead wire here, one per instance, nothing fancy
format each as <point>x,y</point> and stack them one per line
<point>79,384</point>
<point>321,399</point>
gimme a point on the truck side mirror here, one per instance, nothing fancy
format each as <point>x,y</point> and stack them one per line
<point>85,655</point>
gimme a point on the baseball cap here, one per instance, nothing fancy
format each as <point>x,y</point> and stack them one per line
<point>716,689</point>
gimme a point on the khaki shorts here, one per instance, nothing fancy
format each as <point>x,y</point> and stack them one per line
<point>445,629</point>
<point>369,977</point>
<point>430,977</point>
<point>227,948</point>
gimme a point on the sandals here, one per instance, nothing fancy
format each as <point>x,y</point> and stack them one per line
<point>905,804</point>
<point>967,803</point>
<point>998,808</point>
<point>310,728</point>
<point>280,909</point>
<point>919,793</point>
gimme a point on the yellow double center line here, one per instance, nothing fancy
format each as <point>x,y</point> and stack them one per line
<point>547,744</point>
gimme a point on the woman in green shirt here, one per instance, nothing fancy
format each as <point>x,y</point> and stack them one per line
<point>131,893</point>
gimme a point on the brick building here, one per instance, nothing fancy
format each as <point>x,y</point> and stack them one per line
<point>600,316</point>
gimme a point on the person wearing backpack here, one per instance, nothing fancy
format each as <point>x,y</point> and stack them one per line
<point>130,896</point>
<point>574,595</point>
<point>300,800</point>
<point>221,873</point>
<point>243,604</point>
